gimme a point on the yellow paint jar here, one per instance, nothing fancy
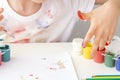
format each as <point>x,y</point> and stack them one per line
<point>87,51</point>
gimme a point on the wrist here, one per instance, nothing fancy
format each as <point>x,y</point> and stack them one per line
<point>113,6</point>
<point>100,1</point>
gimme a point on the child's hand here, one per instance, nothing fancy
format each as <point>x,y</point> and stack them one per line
<point>103,24</point>
<point>1,17</point>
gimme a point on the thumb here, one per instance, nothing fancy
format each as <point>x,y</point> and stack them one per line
<point>84,16</point>
<point>1,28</point>
<point>1,10</point>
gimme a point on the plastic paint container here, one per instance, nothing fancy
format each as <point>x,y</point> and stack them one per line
<point>118,64</point>
<point>99,56</point>
<point>0,58</point>
<point>77,45</point>
<point>109,60</point>
<point>87,51</point>
<point>6,53</point>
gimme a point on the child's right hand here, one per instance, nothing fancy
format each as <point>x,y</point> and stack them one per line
<point>103,24</point>
<point>1,17</point>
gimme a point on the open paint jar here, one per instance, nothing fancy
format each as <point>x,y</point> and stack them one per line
<point>87,51</point>
<point>109,60</point>
<point>117,63</point>
<point>5,53</point>
<point>99,56</point>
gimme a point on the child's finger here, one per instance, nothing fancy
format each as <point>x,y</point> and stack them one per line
<point>84,16</point>
<point>1,17</point>
<point>1,10</point>
<point>1,28</point>
<point>112,31</point>
<point>89,35</point>
<point>102,44</point>
<point>95,46</point>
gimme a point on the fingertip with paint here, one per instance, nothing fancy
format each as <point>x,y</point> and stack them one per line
<point>107,43</point>
<point>80,15</point>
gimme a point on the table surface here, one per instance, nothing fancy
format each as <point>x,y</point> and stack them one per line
<point>84,68</point>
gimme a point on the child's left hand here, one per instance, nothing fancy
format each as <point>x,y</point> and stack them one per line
<point>103,24</point>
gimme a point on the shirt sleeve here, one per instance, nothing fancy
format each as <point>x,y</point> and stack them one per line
<point>84,5</point>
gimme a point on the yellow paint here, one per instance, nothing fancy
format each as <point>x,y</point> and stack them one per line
<point>87,51</point>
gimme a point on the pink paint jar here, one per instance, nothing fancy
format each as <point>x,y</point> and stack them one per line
<point>0,58</point>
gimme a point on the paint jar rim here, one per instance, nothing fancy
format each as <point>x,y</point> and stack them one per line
<point>5,47</point>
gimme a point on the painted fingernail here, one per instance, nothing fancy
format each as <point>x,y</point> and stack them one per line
<point>80,15</point>
<point>83,45</point>
<point>100,49</point>
<point>107,43</point>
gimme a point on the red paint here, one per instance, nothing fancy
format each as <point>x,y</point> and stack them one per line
<point>107,43</point>
<point>99,56</point>
<point>80,15</point>
<point>100,50</point>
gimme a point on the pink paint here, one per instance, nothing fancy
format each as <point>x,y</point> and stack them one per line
<point>51,68</point>
<point>37,78</point>
<point>27,40</point>
<point>99,56</point>
<point>31,75</point>
<point>18,29</point>
<point>0,58</point>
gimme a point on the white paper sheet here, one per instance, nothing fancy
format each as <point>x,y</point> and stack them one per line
<point>37,67</point>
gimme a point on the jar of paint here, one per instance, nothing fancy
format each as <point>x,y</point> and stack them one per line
<point>77,45</point>
<point>87,51</point>
<point>5,53</point>
<point>0,58</point>
<point>109,59</point>
<point>117,63</point>
<point>99,56</point>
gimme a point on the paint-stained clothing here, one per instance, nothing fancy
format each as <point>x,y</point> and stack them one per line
<point>54,21</point>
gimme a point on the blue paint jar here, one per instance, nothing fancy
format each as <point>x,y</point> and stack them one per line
<point>6,53</point>
<point>118,64</point>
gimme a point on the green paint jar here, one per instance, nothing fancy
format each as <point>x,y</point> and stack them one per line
<point>109,60</point>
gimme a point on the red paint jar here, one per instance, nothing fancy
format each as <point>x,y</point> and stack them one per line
<point>99,56</point>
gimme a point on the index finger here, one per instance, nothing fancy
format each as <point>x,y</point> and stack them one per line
<point>89,35</point>
<point>1,10</point>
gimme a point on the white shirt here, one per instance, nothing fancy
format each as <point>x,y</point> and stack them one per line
<point>52,23</point>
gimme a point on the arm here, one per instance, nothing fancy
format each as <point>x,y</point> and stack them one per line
<point>116,3</point>
<point>100,1</point>
<point>103,24</point>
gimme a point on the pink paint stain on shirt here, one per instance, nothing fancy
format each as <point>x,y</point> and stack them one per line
<point>49,14</point>
<point>27,40</point>
<point>18,30</point>
<point>51,68</point>
<point>31,75</point>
